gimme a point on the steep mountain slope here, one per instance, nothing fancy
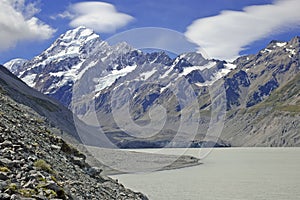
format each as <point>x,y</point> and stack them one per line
<point>265,107</point>
<point>56,68</point>
<point>15,64</point>
<point>56,114</point>
<point>262,73</point>
<point>36,164</point>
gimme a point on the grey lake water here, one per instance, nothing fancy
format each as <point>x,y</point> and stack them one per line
<point>226,174</point>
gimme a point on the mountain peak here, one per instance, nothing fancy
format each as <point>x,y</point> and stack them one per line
<point>276,43</point>
<point>80,33</point>
<point>295,41</point>
<point>75,42</point>
<point>13,65</point>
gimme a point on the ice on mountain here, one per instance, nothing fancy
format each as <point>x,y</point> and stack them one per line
<point>281,44</point>
<point>109,79</point>
<point>188,70</point>
<point>292,51</point>
<point>29,80</point>
<point>266,51</point>
<point>15,64</point>
<point>148,74</point>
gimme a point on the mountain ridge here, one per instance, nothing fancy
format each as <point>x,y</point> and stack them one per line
<point>152,77</point>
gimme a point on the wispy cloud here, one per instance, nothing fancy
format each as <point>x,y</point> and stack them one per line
<point>224,36</point>
<point>18,23</point>
<point>99,16</point>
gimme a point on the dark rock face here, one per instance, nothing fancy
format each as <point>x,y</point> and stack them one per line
<point>195,77</point>
<point>234,86</point>
<point>262,92</point>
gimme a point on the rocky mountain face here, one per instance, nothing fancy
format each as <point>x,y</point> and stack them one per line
<point>56,68</point>
<point>51,110</point>
<point>124,90</point>
<point>264,97</point>
<point>37,164</point>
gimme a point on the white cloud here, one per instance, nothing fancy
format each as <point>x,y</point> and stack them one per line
<point>224,36</point>
<point>99,16</point>
<point>18,23</point>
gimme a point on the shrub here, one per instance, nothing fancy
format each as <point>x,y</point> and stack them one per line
<point>42,165</point>
<point>4,169</point>
<point>27,192</point>
<point>12,187</point>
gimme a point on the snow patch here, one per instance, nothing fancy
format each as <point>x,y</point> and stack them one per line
<point>57,74</point>
<point>281,44</point>
<point>15,64</point>
<point>108,80</point>
<point>148,74</point>
<point>164,88</point>
<point>230,66</point>
<point>29,80</point>
<point>91,64</point>
<point>166,73</point>
<point>292,51</point>
<point>266,51</point>
<point>188,70</point>
<point>220,74</point>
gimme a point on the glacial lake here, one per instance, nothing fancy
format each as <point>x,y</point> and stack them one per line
<point>226,174</point>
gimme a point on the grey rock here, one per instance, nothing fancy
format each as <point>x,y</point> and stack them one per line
<point>55,147</point>
<point>79,161</point>
<point>6,162</point>
<point>3,185</point>
<point>6,143</point>
<point>94,171</point>
<point>3,176</point>
<point>29,184</point>
<point>15,197</point>
<point>4,196</point>
<point>38,197</point>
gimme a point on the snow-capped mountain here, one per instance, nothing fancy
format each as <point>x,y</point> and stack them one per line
<point>15,64</point>
<point>56,69</point>
<point>122,86</point>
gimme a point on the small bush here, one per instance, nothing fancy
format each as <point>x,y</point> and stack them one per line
<point>69,149</point>
<point>54,179</point>
<point>12,187</point>
<point>4,169</point>
<point>27,192</point>
<point>42,165</point>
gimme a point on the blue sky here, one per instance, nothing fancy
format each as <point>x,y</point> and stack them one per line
<point>224,28</point>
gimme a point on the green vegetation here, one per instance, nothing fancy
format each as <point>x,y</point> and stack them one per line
<point>290,108</point>
<point>12,187</point>
<point>4,169</point>
<point>26,192</point>
<point>284,98</point>
<point>54,179</point>
<point>42,165</point>
<point>69,149</point>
